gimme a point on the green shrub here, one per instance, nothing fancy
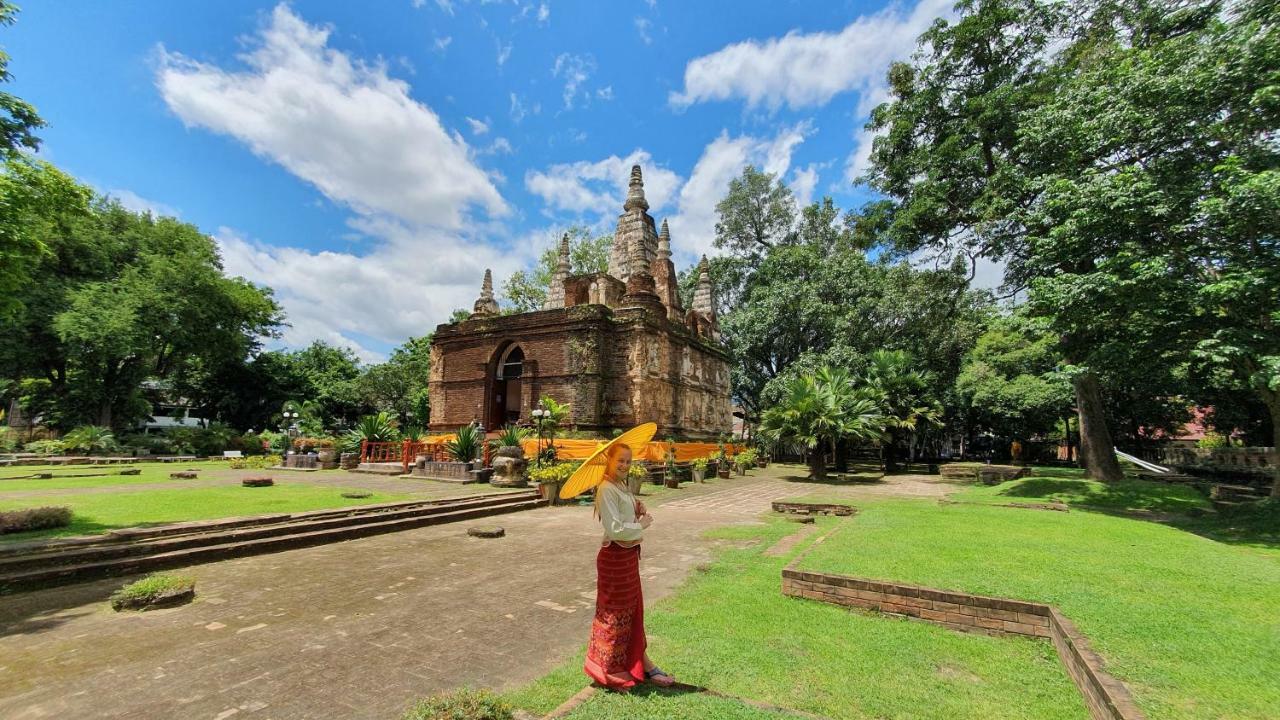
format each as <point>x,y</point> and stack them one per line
<point>511,436</point>
<point>90,439</point>
<point>465,445</point>
<point>464,704</point>
<point>374,428</point>
<point>40,518</point>
<point>153,444</point>
<point>1213,441</point>
<point>210,440</point>
<point>700,464</point>
<point>44,447</point>
<point>8,440</point>
<point>254,462</point>
<point>558,472</point>
<point>151,588</point>
<point>277,442</point>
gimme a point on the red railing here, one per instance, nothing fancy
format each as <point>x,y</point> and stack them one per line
<point>403,452</point>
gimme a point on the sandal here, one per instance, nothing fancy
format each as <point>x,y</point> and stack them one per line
<point>659,677</point>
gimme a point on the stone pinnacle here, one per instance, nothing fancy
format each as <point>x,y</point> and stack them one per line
<point>635,191</point>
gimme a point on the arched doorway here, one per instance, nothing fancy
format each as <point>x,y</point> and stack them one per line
<point>506,393</point>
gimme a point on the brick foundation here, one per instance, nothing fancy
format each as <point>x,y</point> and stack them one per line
<point>1106,697</point>
<point>813,508</point>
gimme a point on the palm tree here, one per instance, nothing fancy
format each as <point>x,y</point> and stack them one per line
<point>817,410</point>
<point>90,439</point>
<point>900,393</point>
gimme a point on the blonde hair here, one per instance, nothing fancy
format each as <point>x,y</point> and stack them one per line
<point>611,460</point>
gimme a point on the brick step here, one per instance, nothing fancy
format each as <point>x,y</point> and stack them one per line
<point>290,525</point>
<point>1245,493</point>
<point>114,537</point>
<point>236,545</point>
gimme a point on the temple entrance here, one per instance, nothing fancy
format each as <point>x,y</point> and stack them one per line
<point>506,394</point>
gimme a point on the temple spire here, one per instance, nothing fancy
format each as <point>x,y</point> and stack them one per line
<point>555,294</point>
<point>635,191</point>
<point>486,304</point>
<point>703,300</point>
<point>664,242</point>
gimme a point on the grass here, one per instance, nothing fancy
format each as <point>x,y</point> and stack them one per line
<point>152,587</point>
<point>150,473</point>
<point>1191,625</point>
<point>645,703</point>
<point>1075,490</point>
<point>99,512</point>
<point>729,628</point>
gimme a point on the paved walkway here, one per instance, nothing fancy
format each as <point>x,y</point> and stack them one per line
<point>355,629</point>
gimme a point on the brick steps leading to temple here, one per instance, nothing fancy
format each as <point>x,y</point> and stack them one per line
<point>21,572</point>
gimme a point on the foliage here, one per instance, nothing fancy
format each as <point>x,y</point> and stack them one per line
<point>255,462</point>
<point>90,439</point>
<point>1213,441</point>
<point>8,439</point>
<point>510,436</point>
<point>150,589</point>
<point>557,413</point>
<point>525,292</point>
<point>211,440</point>
<point>700,464</point>
<point>18,119</point>
<point>819,409</point>
<point>399,385</point>
<point>553,472</point>
<point>745,460</point>
<point>756,215</point>
<point>311,444</point>
<point>1010,382</point>
<point>465,445</point>
<point>275,441</point>
<point>373,428</point>
<point>39,518</point>
<point>637,471</point>
<point>44,447</point>
<point>464,704</point>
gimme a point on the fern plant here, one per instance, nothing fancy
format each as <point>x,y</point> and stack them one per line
<point>465,444</point>
<point>90,439</point>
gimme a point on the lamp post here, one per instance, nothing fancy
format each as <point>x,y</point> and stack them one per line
<point>538,416</point>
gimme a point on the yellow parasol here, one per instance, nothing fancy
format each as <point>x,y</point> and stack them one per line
<point>591,473</point>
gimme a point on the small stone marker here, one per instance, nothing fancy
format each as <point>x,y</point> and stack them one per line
<point>183,474</point>
<point>131,471</point>
<point>257,482</point>
<point>486,532</point>
<point>803,520</point>
<point>358,494</point>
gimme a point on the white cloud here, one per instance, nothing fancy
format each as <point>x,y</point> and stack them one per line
<point>500,146</point>
<point>517,109</point>
<point>544,12</point>
<point>605,93</point>
<point>504,52</point>
<point>599,188</point>
<point>693,228</point>
<point>343,125</point>
<point>339,123</point>
<point>445,5</point>
<point>478,127</point>
<point>135,202</point>
<point>575,70</point>
<point>806,70</point>
<point>442,43</point>
<point>642,27</point>
<point>803,182</point>
<point>390,294</point>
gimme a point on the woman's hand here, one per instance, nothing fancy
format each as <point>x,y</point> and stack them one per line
<point>641,509</point>
<point>645,520</point>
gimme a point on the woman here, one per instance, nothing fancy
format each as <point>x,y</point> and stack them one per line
<point>616,656</point>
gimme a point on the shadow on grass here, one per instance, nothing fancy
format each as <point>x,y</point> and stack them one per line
<point>647,691</point>
<point>1178,506</point>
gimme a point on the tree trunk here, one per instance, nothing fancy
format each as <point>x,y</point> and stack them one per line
<point>817,464</point>
<point>842,456</point>
<point>1097,451</point>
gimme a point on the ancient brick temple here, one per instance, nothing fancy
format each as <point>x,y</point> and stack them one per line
<point>616,346</point>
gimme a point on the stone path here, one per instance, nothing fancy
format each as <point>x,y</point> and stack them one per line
<point>355,629</point>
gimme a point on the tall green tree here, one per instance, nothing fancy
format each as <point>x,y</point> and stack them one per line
<point>18,119</point>
<point>399,385</point>
<point>903,396</point>
<point>756,215</point>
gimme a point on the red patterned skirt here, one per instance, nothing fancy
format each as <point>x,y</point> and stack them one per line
<point>617,634</point>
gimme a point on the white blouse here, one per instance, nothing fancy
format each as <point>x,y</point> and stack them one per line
<point>618,515</point>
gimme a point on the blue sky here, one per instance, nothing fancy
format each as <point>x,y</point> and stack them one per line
<point>370,160</point>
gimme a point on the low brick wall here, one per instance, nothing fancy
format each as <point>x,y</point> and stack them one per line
<point>813,508</point>
<point>1106,697</point>
<point>444,470</point>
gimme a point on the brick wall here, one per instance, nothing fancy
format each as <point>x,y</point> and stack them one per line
<point>1106,697</point>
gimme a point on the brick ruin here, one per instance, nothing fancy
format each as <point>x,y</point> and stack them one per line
<point>617,346</point>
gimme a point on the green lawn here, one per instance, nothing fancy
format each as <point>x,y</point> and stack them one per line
<point>67,477</point>
<point>730,628</point>
<point>94,513</point>
<point>1190,624</point>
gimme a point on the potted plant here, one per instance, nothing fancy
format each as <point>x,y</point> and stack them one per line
<point>698,468</point>
<point>723,467</point>
<point>509,465</point>
<point>550,478</point>
<point>636,477</point>
<point>465,445</point>
<point>745,460</point>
